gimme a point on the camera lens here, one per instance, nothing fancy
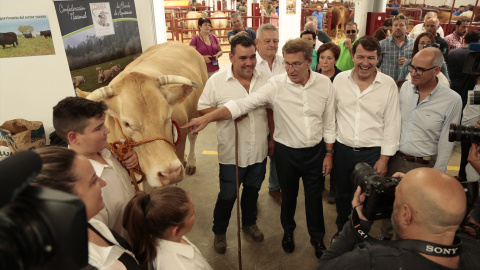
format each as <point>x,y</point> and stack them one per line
<point>461,133</point>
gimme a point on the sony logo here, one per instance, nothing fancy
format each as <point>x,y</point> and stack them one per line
<point>440,250</point>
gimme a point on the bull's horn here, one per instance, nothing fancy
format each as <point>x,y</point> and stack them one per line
<point>101,93</point>
<point>175,79</point>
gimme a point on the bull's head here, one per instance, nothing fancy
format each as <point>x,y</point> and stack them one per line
<point>143,105</point>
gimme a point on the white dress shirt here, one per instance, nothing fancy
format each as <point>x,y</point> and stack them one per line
<point>106,258</point>
<point>419,28</point>
<point>277,67</point>
<point>252,131</point>
<point>179,256</point>
<point>370,118</point>
<point>116,193</point>
<point>303,115</point>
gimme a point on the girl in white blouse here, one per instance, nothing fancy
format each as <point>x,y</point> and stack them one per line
<point>157,224</point>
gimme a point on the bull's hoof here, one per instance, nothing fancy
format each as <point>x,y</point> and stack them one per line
<point>190,170</point>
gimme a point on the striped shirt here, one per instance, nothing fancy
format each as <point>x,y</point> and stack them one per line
<point>391,53</point>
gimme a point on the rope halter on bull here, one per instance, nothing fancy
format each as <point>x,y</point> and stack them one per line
<point>121,147</point>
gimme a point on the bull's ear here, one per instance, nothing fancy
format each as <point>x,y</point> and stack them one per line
<point>81,93</point>
<point>175,93</point>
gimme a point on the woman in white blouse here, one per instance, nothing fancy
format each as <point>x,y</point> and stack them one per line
<point>157,224</point>
<point>65,170</point>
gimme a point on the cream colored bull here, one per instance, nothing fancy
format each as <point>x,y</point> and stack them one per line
<point>219,23</point>
<point>192,24</point>
<point>161,85</point>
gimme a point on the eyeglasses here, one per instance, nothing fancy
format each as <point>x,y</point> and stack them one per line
<point>295,66</point>
<point>432,45</point>
<point>418,70</point>
<point>351,31</point>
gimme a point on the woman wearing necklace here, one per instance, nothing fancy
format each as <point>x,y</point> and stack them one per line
<point>207,45</point>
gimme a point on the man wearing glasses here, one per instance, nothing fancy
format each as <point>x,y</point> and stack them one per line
<point>397,48</point>
<point>344,61</point>
<point>428,108</point>
<point>303,110</point>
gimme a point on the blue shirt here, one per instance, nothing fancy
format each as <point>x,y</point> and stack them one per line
<point>250,33</point>
<point>391,53</point>
<point>425,126</point>
<point>319,18</point>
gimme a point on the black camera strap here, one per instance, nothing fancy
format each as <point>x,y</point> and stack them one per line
<point>410,244</point>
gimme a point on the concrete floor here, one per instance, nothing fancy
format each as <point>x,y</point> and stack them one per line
<point>203,187</point>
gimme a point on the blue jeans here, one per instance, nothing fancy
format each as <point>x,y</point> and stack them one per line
<point>252,177</point>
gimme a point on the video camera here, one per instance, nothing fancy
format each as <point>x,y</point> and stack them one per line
<point>379,191</point>
<point>472,67</point>
<point>461,133</point>
<point>40,228</point>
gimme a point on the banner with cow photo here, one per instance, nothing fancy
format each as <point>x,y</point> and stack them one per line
<point>100,39</point>
<point>26,34</point>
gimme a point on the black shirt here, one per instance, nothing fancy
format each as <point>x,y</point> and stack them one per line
<point>349,252</point>
<point>443,45</point>
<point>334,75</point>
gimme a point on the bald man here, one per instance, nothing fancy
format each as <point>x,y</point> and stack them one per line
<point>431,26</point>
<point>313,27</point>
<point>429,206</point>
<point>419,28</point>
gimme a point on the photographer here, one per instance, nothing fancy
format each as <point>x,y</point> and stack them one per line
<point>429,206</point>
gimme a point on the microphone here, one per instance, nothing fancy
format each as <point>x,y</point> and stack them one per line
<point>16,172</point>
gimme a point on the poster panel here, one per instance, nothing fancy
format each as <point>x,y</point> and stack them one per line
<point>26,34</point>
<point>291,7</point>
<point>175,3</point>
<point>100,38</point>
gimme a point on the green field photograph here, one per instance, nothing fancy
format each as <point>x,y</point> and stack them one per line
<point>25,35</point>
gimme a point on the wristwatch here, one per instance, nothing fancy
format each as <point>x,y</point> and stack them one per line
<point>329,152</point>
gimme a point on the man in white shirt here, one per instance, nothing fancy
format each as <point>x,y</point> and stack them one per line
<point>368,121</point>
<point>271,63</point>
<point>302,103</point>
<point>236,82</point>
<point>420,28</point>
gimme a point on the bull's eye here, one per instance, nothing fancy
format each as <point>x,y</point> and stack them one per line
<point>126,124</point>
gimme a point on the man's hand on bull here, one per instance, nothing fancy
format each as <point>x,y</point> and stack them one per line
<point>196,125</point>
<point>130,160</point>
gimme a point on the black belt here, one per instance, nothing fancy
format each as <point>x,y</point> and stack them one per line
<point>356,149</point>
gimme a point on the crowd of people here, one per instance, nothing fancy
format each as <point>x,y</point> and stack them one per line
<point>316,109</point>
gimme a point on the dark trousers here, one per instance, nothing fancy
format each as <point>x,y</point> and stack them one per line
<point>251,177</point>
<point>293,163</point>
<point>344,162</point>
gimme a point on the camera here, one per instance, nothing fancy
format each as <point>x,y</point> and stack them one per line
<point>461,133</point>
<point>379,191</point>
<point>472,62</point>
<point>214,61</point>
<point>40,228</point>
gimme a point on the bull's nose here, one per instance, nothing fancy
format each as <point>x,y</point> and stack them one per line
<point>171,175</point>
